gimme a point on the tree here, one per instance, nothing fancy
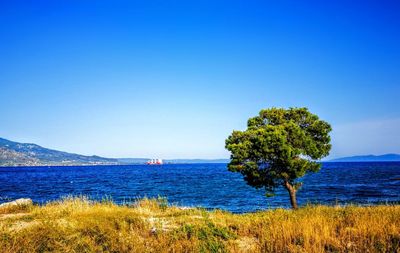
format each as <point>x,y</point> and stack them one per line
<point>278,147</point>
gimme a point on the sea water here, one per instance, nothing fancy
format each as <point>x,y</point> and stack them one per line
<point>205,185</point>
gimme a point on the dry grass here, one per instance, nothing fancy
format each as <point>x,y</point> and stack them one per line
<point>80,225</point>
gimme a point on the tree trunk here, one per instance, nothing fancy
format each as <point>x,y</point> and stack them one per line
<point>292,194</point>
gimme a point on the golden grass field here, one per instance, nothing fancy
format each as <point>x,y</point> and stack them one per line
<point>80,225</point>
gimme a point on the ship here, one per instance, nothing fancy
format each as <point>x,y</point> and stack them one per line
<point>154,162</point>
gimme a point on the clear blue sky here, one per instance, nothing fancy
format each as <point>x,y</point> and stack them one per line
<point>172,79</point>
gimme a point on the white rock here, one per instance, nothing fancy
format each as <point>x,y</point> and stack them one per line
<point>17,202</point>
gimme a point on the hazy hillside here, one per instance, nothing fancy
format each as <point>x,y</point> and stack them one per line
<point>369,158</point>
<point>189,161</point>
<point>27,154</point>
<point>171,161</point>
<point>133,160</point>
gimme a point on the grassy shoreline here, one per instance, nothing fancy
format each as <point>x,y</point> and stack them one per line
<point>80,225</point>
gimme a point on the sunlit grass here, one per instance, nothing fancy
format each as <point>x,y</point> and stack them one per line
<point>151,225</point>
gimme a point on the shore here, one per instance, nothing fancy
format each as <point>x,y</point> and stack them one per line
<point>80,225</point>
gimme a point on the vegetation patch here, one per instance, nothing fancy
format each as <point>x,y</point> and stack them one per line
<point>81,225</point>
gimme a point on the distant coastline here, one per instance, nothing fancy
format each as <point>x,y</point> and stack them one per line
<point>15,154</point>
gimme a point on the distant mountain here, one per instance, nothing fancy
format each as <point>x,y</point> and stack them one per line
<point>28,154</point>
<point>369,158</point>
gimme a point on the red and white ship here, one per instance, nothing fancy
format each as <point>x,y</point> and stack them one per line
<point>154,162</point>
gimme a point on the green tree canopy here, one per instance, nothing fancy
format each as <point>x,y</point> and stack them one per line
<point>278,147</point>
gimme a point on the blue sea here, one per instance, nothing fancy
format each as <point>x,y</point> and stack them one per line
<point>205,185</point>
